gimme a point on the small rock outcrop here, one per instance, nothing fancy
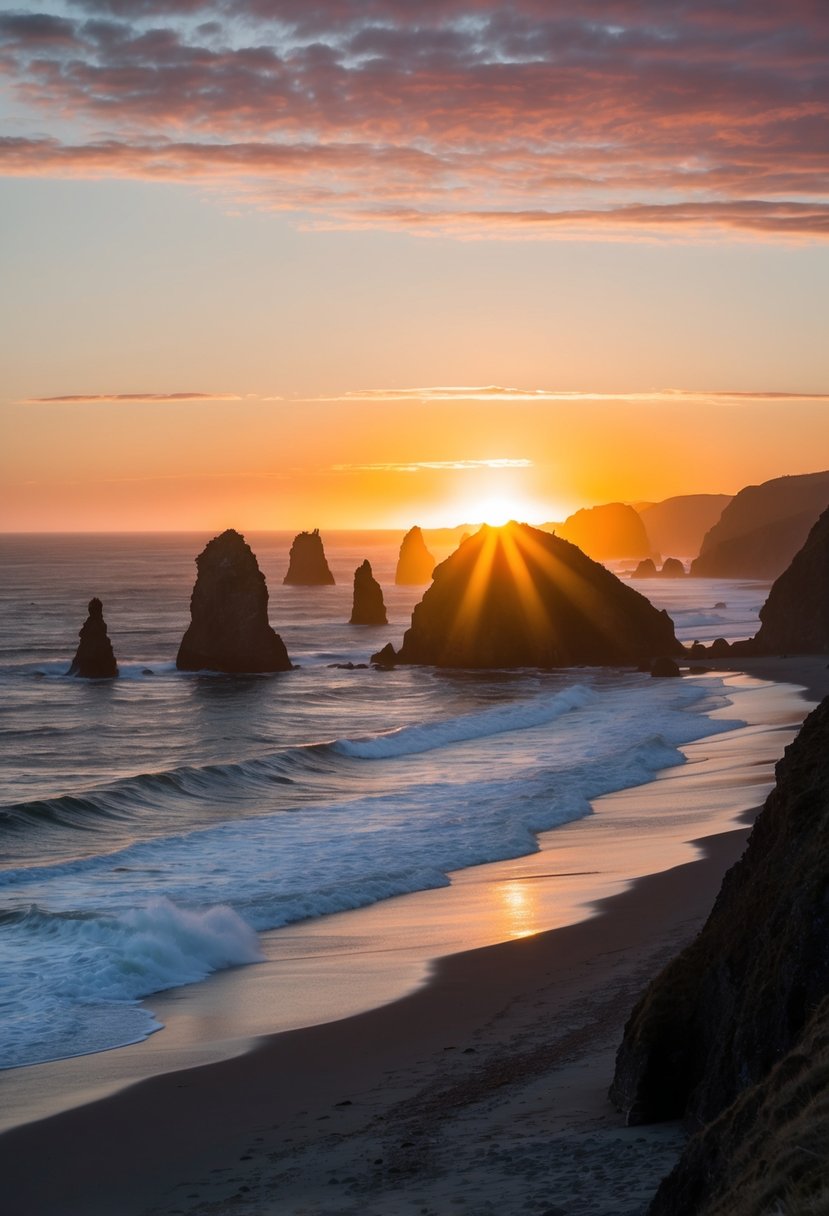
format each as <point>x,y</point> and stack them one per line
<point>94,659</point>
<point>665,667</point>
<point>612,530</point>
<point>519,597</point>
<point>415,563</point>
<point>738,999</point>
<point>229,629</point>
<point>795,617</point>
<point>368,607</point>
<point>645,569</point>
<point>307,565</point>
<point>672,567</point>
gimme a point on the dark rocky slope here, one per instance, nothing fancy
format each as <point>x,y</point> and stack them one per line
<point>763,527</point>
<point>368,607</point>
<point>519,597</point>
<point>611,530</point>
<point>307,565</point>
<point>737,1000</point>
<point>795,617</point>
<point>94,659</point>
<point>229,629</point>
<point>415,563</point>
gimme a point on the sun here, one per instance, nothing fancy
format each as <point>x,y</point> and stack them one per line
<point>498,509</point>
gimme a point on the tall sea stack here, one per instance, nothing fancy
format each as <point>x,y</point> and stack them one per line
<point>368,607</point>
<point>519,597</point>
<point>229,629</point>
<point>307,566</point>
<point>94,659</point>
<point>415,563</point>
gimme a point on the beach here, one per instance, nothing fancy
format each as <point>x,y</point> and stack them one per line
<point>483,1088</point>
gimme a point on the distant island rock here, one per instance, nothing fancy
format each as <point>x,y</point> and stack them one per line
<point>415,563</point>
<point>795,617</point>
<point>613,530</point>
<point>736,1029</point>
<point>672,567</point>
<point>368,607</point>
<point>307,565</point>
<point>645,569</point>
<point>763,527</point>
<point>94,659</point>
<point>229,629</point>
<point>519,597</point>
<point>678,524</point>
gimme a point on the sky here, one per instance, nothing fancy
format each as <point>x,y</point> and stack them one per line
<point>366,263</point>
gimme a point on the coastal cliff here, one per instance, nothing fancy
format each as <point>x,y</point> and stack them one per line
<point>94,659</point>
<point>739,999</point>
<point>795,617</point>
<point>519,597</point>
<point>229,629</point>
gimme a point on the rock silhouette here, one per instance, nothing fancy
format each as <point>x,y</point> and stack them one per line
<point>368,607</point>
<point>307,566</point>
<point>763,527</point>
<point>678,524</point>
<point>94,659</point>
<point>795,617</point>
<point>645,569</point>
<point>229,629</point>
<point>519,597</point>
<point>672,567</point>
<point>611,530</point>
<point>415,563</point>
<point>731,1005</point>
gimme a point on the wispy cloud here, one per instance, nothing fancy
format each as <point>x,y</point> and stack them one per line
<point>465,117</point>
<point>416,466</point>
<point>497,393</point>
<point>130,398</point>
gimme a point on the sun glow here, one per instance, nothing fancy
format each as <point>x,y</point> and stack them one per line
<point>499,509</point>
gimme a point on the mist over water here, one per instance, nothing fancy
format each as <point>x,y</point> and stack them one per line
<point>152,825</point>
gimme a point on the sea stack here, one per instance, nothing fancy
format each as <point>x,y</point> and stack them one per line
<point>415,564</point>
<point>519,597</point>
<point>645,569</point>
<point>368,607</point>
<point>94,659</point>
<point>795,617</point>
<point>229,629</point>
<point>307,566</point>
<point>611,530</point>
<point>672,567</point>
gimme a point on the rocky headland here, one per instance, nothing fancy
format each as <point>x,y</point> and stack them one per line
<point>415,563</point>
<point>736,1029</point>
<point>368,607</point>
<point>519,597</point>
<point>678,524</point>
<point>229,629</point>
<point>763,527</point>
<point>795,617</point>
<point>94,659</point>
<point>307,564</point>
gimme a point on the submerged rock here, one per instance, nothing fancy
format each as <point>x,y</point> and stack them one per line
<point>368,607</point>
<point>738,999</point>
<point>94,659</point>
<point>307,566</point>
<point>415,563</point>
<point>672,567</point>
<point>519,597</point>
<point>229,629</point>
<point>795,617</point>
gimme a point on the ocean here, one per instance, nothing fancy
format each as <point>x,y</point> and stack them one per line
<point>153,826</point>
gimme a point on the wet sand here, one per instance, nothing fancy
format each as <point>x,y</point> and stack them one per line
<point>481,1090</point>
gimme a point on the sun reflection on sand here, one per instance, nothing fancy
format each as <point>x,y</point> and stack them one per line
<point>518,908</point>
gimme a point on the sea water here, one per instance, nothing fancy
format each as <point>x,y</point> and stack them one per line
<point>151,827</point>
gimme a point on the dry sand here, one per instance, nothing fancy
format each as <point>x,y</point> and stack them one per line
<point>482,1091</point>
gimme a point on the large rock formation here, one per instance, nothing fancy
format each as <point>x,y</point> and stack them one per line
<point>738,999</point>
<point>678,524</point>
<point>610,531</point>
<point>645,569</point>
<point>672,567</point>
<point>368,607</point>
<point>229,629</point>
<point>519,597</point>
<point>763,527</point>
<point>415,563</point>
<point>94,659</point>
<point>795,617</point>
<point>307,566</point>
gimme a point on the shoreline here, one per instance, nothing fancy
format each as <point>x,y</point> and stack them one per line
<point>489,997</point>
